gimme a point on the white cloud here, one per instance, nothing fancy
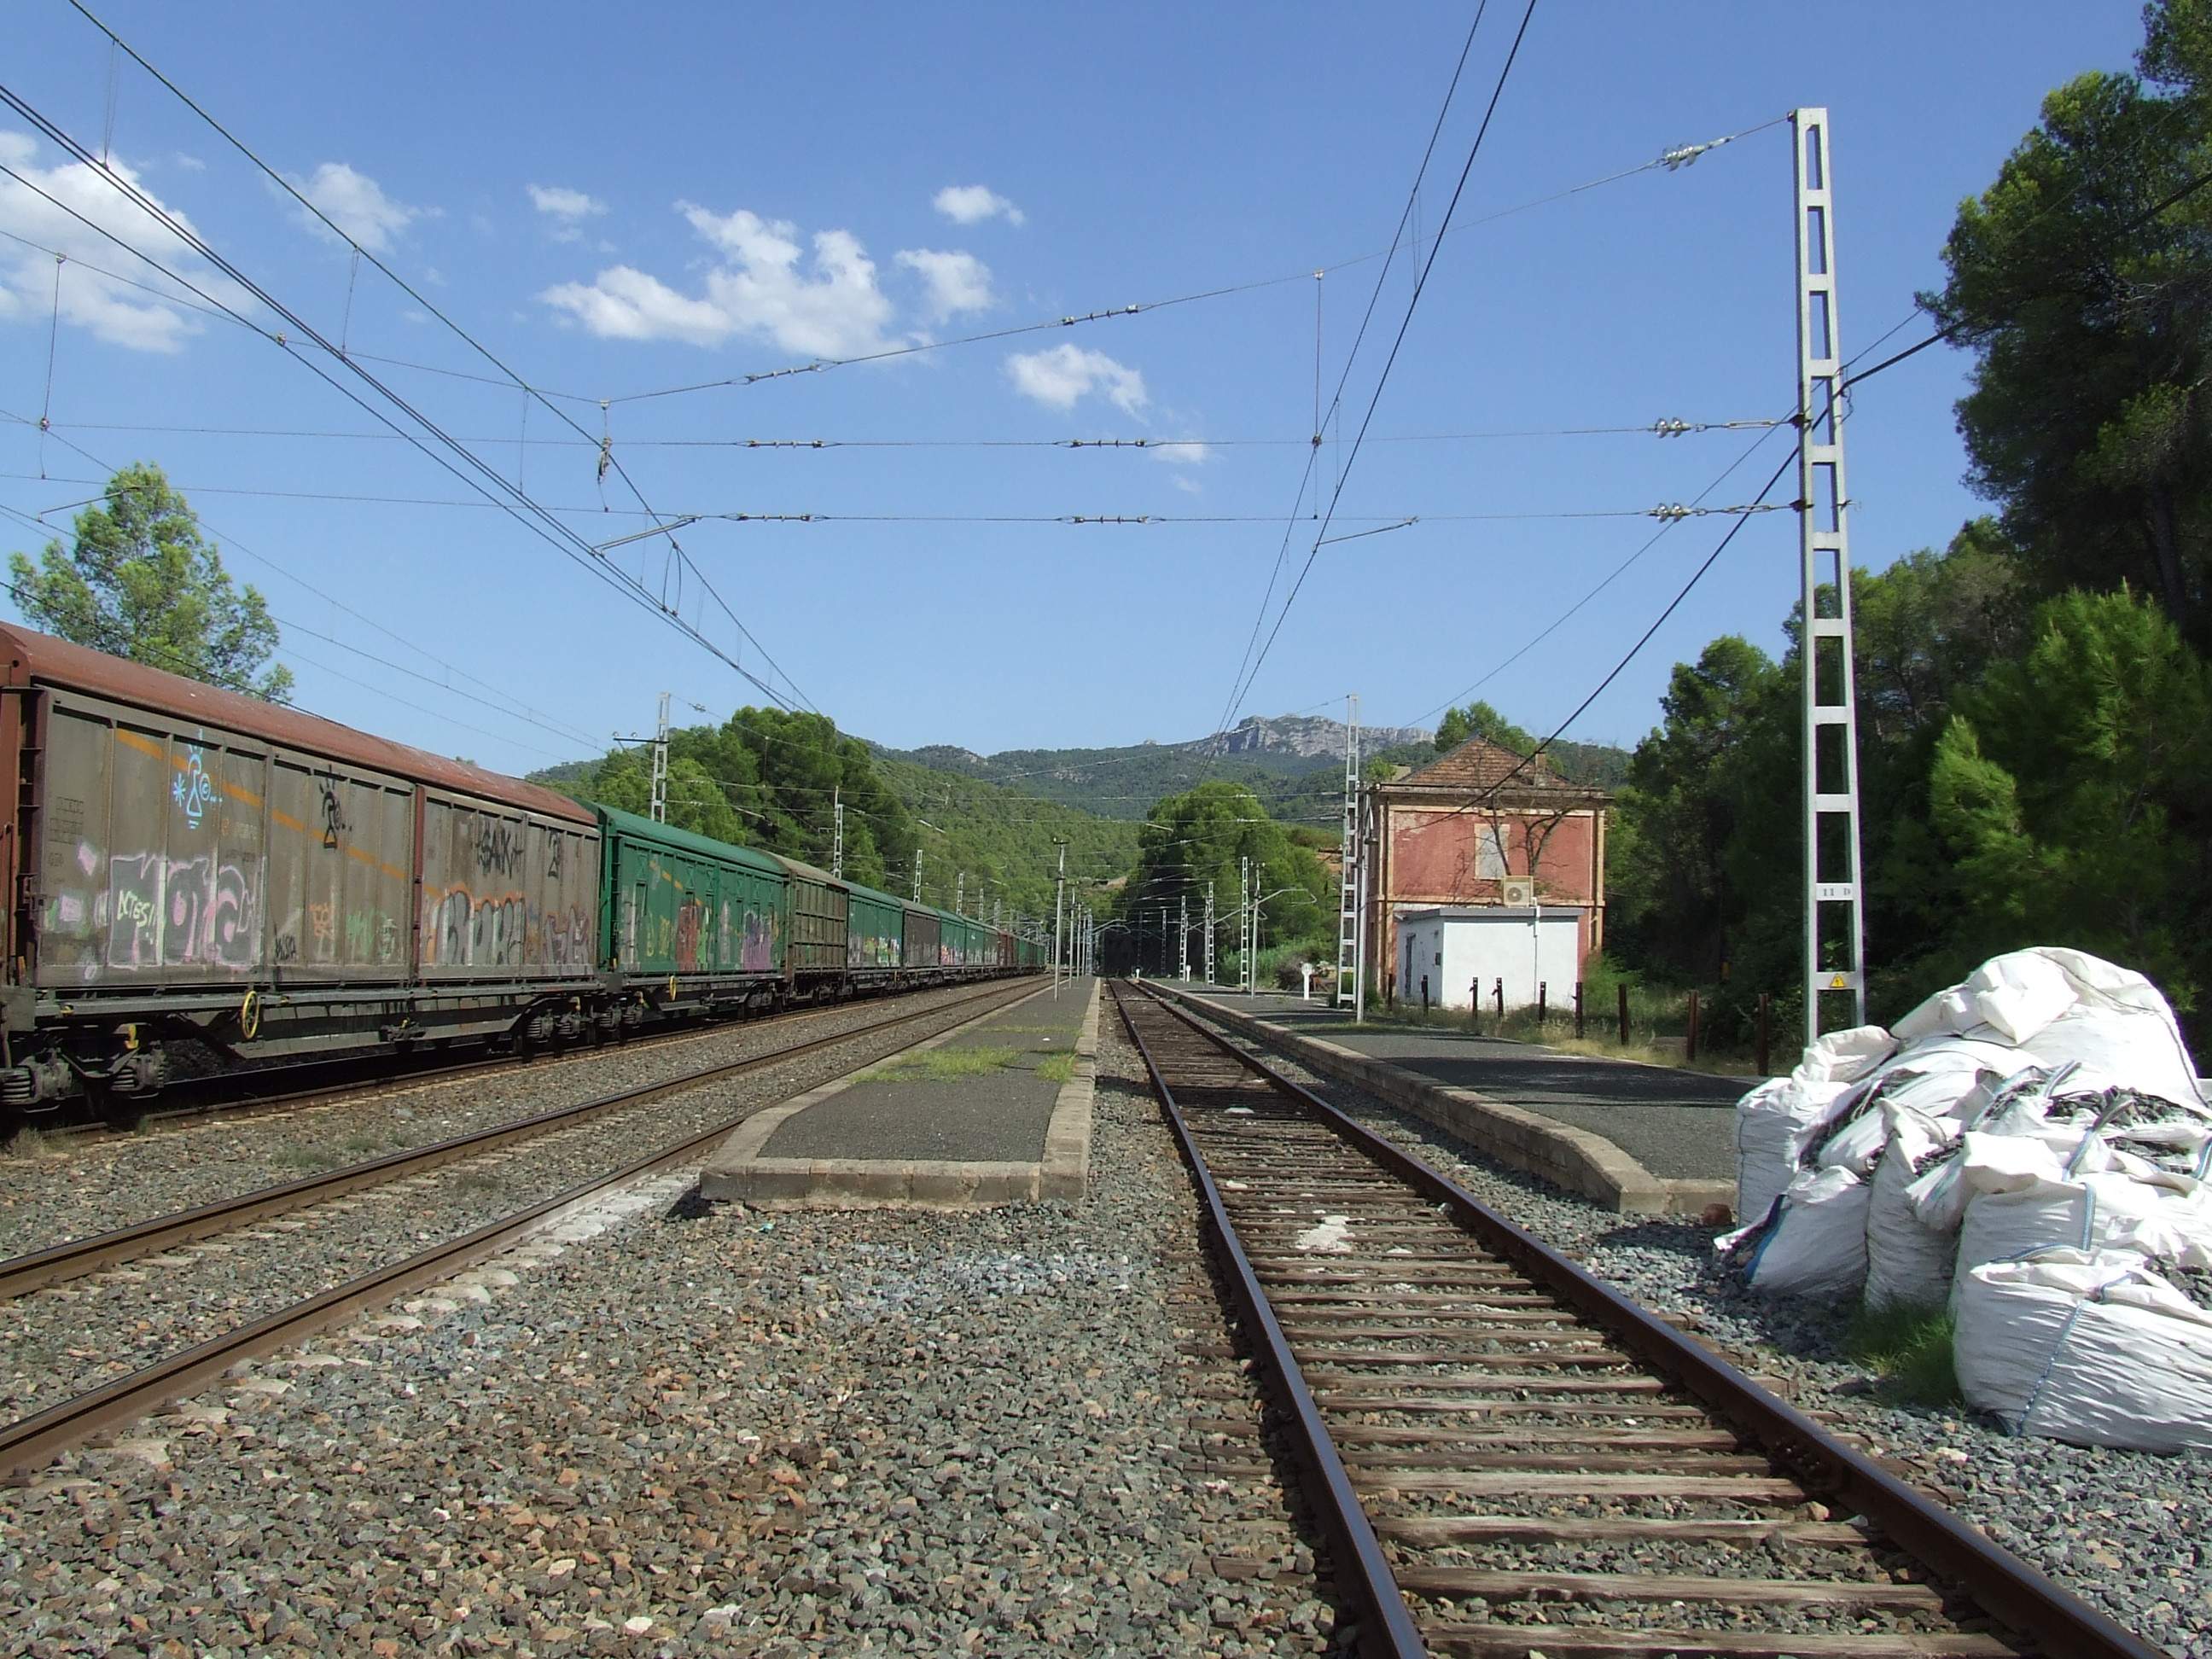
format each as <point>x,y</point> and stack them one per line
<point>1065,373</point>
<point>969,204</point>
<point>562,203</point>
<point>957,282</point>
<point>356,204</point>
<point>1189,486</point>
<point>830,307</point>
<point>1178,452</point>
<point>113,311</point>
<point>567,208</point>
<point>189,163</point>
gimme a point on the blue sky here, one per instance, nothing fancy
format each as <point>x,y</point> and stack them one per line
<point>619,203</point>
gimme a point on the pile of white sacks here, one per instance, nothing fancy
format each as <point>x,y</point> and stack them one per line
<point>2031,1146</point>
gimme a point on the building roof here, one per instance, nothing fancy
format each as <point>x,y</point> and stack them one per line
<point>27,657</point>
<point>1478,763</point>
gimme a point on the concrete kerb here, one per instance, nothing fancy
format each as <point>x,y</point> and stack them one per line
<point>738,1171</point>
<point>1579,1160</point>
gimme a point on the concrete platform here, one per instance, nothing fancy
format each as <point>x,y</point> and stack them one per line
<point>1642,1138</point>
<point>926,1129</point>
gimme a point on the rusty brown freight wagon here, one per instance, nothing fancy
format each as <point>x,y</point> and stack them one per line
<point>184,861</point>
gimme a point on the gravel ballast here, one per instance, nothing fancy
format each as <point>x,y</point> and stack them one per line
<point>55,1188</point>
<point>71,1338</point>
<point>2125,1531</point>
<point>708,1429</point>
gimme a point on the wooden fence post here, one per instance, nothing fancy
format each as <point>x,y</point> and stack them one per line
<point>1762,1001</point>
<point>1689,1042</point>
<point>1623,988</point>
<point>1578,1010</point>
<point>1543,996</point>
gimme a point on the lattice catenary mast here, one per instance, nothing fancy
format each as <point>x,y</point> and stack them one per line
<point>660,808</point>
<point>1835,923</point>
<point>1348,941</point>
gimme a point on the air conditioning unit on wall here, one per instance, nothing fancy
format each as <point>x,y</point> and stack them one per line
<point>1518,891</point>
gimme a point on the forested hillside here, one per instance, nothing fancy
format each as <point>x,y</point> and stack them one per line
<point>767,779</point>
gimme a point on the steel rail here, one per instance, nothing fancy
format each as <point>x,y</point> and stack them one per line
<point>2004,1586</point>
<point>1388,1629</point>
<point>59,1263</point>
<point>184,1101</point>
<point>32,1441</point>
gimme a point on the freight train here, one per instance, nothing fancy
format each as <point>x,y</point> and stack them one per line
<point>187,864</point>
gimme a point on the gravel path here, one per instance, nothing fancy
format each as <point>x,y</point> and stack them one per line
<point>2130,1533</point>
<point>62,1341</point>
<point>52,1190</point>
<point>717,1430</point>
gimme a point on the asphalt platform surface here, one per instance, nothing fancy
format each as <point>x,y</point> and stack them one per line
<point>995,1117</point>
<point>1675,1123</point>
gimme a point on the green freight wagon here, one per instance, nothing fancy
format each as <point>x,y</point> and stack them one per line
<point>814,954</point>
<point>875,934</point>
<point>696,922</point>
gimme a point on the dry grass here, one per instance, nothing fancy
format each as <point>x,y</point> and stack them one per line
<point>31,1147</point>
<point>943,1065</point>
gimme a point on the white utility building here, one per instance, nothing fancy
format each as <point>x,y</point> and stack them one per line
<point>1458,949</point>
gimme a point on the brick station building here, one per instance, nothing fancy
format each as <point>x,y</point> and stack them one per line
<point>1453,849</point>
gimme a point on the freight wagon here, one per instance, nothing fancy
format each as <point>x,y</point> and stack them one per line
<point>186,863</point>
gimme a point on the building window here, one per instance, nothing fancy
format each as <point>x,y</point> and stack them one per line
<point>1490,853</point>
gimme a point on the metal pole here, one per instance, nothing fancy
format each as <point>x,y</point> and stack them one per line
<point>1209,932</point>
<point>1347,897</point>
<point>660,808</point>
<point>1831,758</point>
<point>917,875</point>
<point>1182,934</point>
<point>1363,905</point>
<point>837,844</point>
<point>1244,911</point>
<point>960,893</point>
<point>1059,914</point>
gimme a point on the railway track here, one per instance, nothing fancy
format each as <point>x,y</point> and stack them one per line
<point>30,1441</point>
<point>1508,1458</point>
<point>302,1085</point>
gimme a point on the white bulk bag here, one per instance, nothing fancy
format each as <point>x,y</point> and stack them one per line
<point>1947,1076</point>
<point>1814,1244</point>
<point>1856,1146</point>
<point>2013,996</point>
<point>2056,1005</point>
<point>2096,1349</point>
<point>1845,1056</point>
<point>2160,1216</point>
<point>1908,1261</point>
<point>1774,1123</point>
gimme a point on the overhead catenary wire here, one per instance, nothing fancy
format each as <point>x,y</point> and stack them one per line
<point>1850,380</point>
<point>1660,510</point>
<point>1312,452</point>
<point>518,710</point>
<point>195,670</point>
<point>1669,160</point>
<point>1382,379</point>
<point>279,181</point>
<point>1608,580</point>
<point>486,480</point>
<point>1666,427</point>
<point>1839,405</point>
